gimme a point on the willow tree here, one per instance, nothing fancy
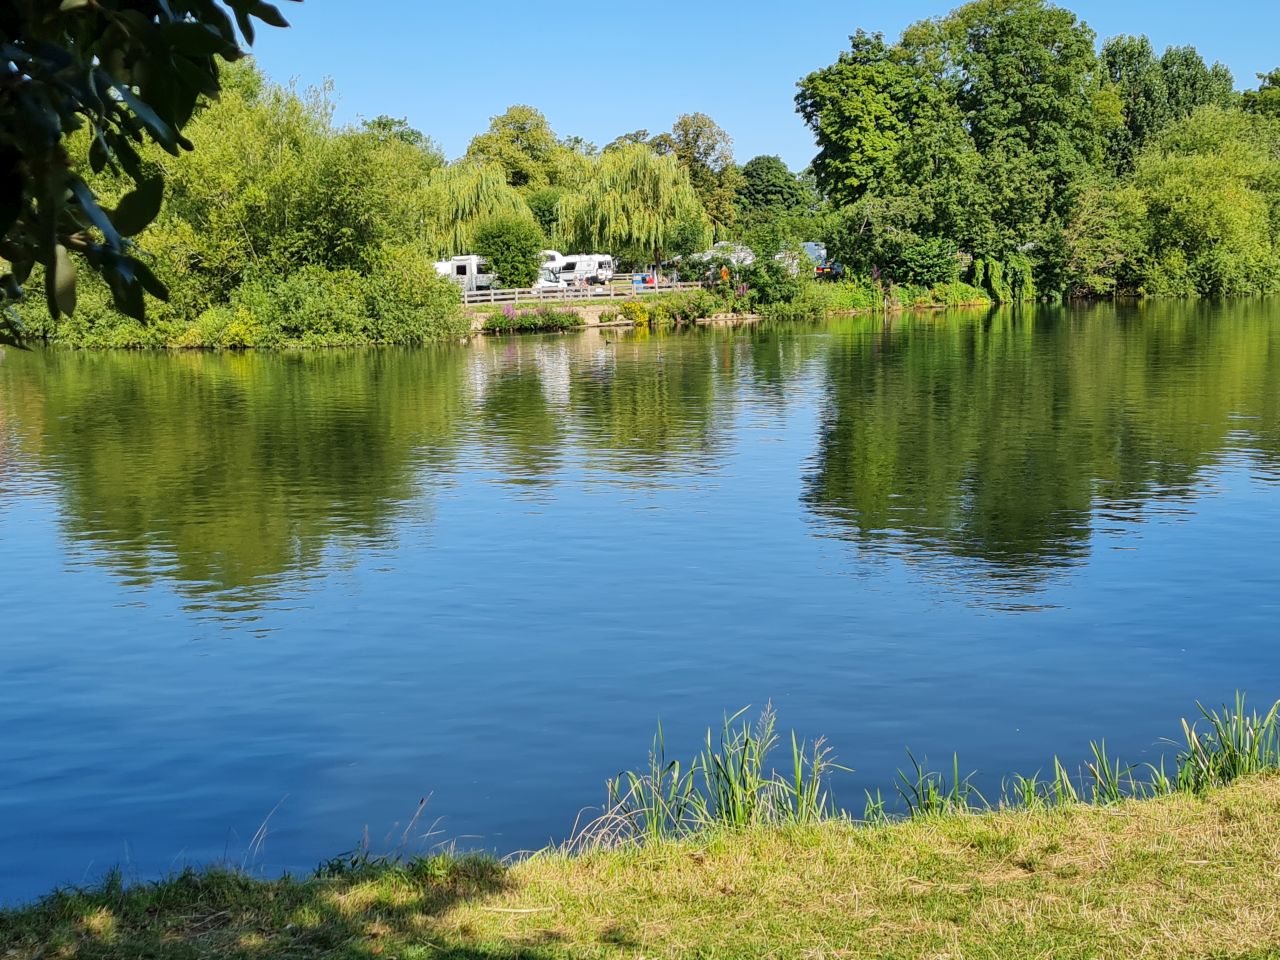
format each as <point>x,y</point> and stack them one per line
<point>636,204</point>
<point>462,196</point>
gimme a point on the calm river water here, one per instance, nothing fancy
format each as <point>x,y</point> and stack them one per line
<point>310,590</point>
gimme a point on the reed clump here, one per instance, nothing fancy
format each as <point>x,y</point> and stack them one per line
<point>732,784</point>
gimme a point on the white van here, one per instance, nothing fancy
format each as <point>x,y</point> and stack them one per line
<point>470,272</point>
<point>587,267</point>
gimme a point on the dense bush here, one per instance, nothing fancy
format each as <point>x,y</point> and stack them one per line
<point>408,302</point>
<point>772,281</point>
<point>511,320</point>
<point>513,246</point>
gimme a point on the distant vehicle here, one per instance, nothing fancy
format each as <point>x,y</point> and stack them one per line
<point>738,254</point>
<point>547,280</point>
<point>469,271</point>
<point>588,267</point>
<point>552,260</point>
<point>824,267</point>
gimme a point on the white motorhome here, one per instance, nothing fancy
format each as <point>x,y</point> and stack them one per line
<point>587,267</point>
<point>552,260</point>
<point>470,272</point>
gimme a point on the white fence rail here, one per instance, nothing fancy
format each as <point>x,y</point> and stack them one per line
<point>611,291</point>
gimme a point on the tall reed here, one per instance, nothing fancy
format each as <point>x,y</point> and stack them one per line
<point>732,784</point>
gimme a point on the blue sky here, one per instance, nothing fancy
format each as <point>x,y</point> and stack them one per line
<point>598,70</point>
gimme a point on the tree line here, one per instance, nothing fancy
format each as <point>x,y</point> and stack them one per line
<point>998,145</point>
<point>1003,137</point>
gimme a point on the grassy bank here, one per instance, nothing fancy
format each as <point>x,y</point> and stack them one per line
<point>1182,876</point>
<point>755,863</point>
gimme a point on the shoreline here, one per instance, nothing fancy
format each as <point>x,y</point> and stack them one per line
<point>1115,862</point>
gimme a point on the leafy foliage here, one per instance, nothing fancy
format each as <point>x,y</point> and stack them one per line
<point>513,246</point>
<point>999,132</point>
<point>636,204</point>
<point>270,190</point>
<point>90,81</point>
<point>1266,99</point>
<point>768,187</point>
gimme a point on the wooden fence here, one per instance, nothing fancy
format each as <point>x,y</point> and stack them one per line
<point>620,288</point>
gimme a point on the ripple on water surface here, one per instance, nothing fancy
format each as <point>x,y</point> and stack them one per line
<point>313,589</point>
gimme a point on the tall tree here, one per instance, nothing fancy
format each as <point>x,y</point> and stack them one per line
<point>705,151</point>
<point>767,185</point>
<point>976,127</point>
<point>635,205</point>
<point>521,142</point>
<point>1192,83</point>
<point>464,195</point>
<point>857,110</point>
<point>115,72</point>
<point>1134,71</point>
<point>1266,99</point>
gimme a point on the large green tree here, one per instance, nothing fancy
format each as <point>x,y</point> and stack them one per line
<point>521,142</point>
<point>705,151</point>
<point>768,186</point>
<point>638,204</point>
<point>464,195</point>
<point>858,110</point>
<point>1131,66</point>
<point>1192,83</point>
<point>976,128</point>
<point>1266,99</point>
<point>99,77</point>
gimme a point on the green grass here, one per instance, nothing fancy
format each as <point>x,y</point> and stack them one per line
<point>756,862</point>
<point>1184,876</point>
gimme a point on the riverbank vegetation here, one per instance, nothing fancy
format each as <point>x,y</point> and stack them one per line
<point>947,172</point>
<point>1080,870</point>
<point>1003,136</point>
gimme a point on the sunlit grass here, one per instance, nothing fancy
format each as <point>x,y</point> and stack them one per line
<point>728,856</point>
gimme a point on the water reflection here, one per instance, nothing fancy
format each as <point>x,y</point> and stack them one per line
<point>230,474</point>
<point>1004,439</point>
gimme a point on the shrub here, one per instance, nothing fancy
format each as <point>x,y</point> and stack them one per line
<point>311,306</point>
<point>635,311</point>
<point>513,246</point>
<point>662,313</point>
<point>930,262</point>
<point>543,318</point>
<point>771,282</point>
<point>408,302</point>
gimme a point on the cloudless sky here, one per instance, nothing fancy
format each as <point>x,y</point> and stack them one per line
<point>601,69</point>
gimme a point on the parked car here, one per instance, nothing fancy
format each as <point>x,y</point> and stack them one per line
<point>824,268</point>
<point>547,280</point>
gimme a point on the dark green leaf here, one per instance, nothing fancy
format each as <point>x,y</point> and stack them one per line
<point>246,26</point>
<point>268,14</point>
<point>195,39</point>
<point>150,282</point>
<point>60,283</point>
<point>138,208</point>
<point>126,294</point>
<point>89,204</point>
<point>99,154</point>
<point>11,187</point>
